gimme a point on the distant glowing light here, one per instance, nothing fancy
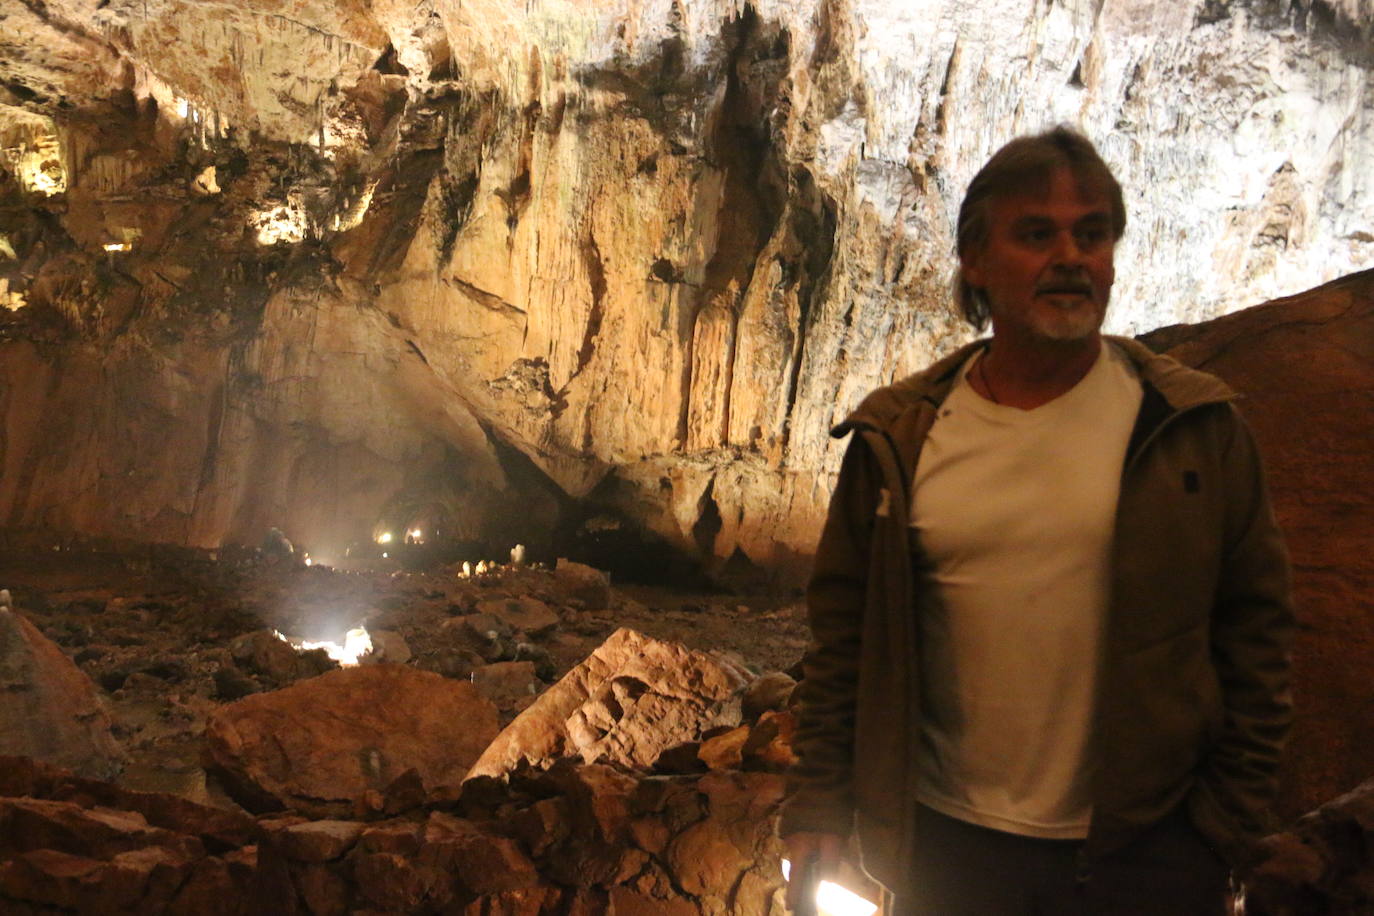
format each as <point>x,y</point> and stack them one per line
<point>357,643</point>
<point>467,570</point>
<point>308,561</point>
<point>835,900</point>
<point>384,537</point>
<point>385,555</point>
<point>118,246</point>
<point>183,107</point>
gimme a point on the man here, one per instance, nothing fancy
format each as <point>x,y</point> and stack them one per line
<point>1050,605</point>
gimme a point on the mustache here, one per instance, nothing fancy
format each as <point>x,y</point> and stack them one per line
<point>1068,281</point>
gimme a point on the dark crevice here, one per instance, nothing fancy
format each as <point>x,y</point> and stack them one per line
<point>596,278</point>
<point>709,521</point>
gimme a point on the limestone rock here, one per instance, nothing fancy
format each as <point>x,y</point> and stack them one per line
<point>470,262</point>
<point>626,703</point>
<point>49,709</point>
<point>317,841</point>
<point>510,685</point>
<point>771,691</point>
<point>321,744</point>
<point>526,614</point>
<point>590,586</point>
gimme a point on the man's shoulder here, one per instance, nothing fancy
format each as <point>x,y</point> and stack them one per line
<point>1180,385</point>
<point>881,407</point>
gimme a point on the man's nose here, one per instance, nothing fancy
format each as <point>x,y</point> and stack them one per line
<point>1067,250</point>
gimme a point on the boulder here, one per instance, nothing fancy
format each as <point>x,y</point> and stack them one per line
<point>633,698</point>
<point>590,586</point>
<point>49,709</point>
<point>321,745</point>
<point>510,685</point>
<point>528,615</point>
<point>1305,368</point>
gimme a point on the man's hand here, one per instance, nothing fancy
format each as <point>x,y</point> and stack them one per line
<point>813,856</point>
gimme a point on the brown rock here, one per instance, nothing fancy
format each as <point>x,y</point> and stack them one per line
<point>771,691</point>
<point>1304,369</point>
<point>626,703</point>
<point>484,863</point>
<point>399,837</point>
<point>49,706</point>
<point>317,841</point>
<point>388,647</point>
<point>770,742</point>
<point>529,615</point>
<point>724,752</point>
<point>265,653</point>
<point>627,902</point>
<point>320,744</point>
<point>140,880</point>
<point>322,889</point>
<point>541,824</point>
<point>29,824</point>
<point>703,860</point>
<point>393,883</point>
<point>510,685</point>
<point>590,586</point>
<point>526,901</point>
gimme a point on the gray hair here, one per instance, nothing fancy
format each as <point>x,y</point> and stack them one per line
<point>1025,165</point>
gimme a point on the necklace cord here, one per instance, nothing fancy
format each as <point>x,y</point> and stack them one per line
<point>983,376</point>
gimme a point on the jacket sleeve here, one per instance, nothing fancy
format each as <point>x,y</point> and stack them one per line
<point>820,783</point>
<point>1252,631</point>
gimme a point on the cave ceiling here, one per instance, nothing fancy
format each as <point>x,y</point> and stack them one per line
<point>349,266</point>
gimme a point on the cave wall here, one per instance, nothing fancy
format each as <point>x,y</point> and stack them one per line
<point>460,264</point>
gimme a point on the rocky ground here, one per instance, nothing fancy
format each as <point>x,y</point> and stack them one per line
<point>170,635</point>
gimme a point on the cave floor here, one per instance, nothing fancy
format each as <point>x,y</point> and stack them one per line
<point>155,629</point>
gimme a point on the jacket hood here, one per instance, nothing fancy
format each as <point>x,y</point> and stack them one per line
<point>1180,386</point>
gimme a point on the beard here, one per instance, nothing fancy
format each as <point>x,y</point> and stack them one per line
<point>1068,324</point>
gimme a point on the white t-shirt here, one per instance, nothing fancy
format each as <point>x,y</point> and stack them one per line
<point>1015,509</point>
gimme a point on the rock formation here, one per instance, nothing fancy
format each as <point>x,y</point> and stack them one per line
<point>349,740</point>
<point>49,709</point>
<point>350,269</point>
<point>1306,367</point>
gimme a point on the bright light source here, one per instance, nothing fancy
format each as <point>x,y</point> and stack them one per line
<point>308,561</point>
<point>416,534</point>
<point>119,246</point>
<point>385,555</point>
<point>183,106</point>
<point>834,900</point>
<point>384,537</point>
<point>357,643</point>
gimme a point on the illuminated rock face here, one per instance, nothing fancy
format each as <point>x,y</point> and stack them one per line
<point>462,261</point>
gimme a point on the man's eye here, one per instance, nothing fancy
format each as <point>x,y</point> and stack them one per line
<point>1092,236</point>
<point>1037,235</point>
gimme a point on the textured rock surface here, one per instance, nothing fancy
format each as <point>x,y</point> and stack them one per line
<point>1306,367</point>
<point>450,263</point>
<point>628,702</point>
<point>574,840</point>
<point>326,743</point>
<point>49,709</point>
<point>1323,864</point>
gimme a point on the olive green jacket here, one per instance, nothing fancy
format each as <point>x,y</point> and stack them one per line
<point>1193,698</point>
